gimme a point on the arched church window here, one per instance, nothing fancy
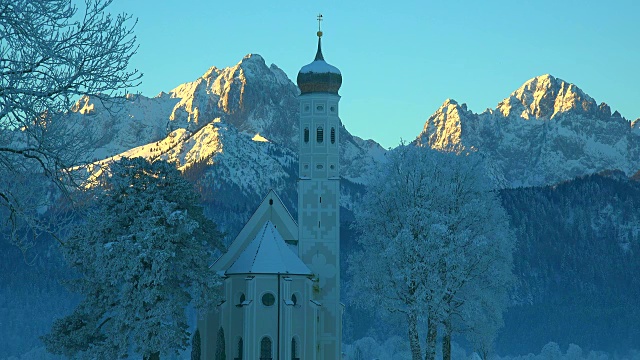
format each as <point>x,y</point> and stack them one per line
<point>306,134</point>
<point>241,299</point>
<point>268,299</point>
<point>239,350</point>
<point>294,349</point>
<point>294,299</point>
<point>320,134</point>
<point>265,349</point>
<point>333,135</point>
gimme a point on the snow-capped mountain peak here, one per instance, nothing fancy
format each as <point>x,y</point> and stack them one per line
<point>548,130</point>
<point>545,97</point>
<point>443,129</point>
<point>233,131</point>
<point>251,96</point>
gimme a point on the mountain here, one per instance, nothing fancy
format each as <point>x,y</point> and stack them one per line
<point>546,131</point>
<point>242,119</point>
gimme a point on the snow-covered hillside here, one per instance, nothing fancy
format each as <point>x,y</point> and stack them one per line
<point>546,131</point>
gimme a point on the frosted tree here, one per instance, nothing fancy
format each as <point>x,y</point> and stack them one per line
<point>476,246</point>
<point>52,52</point>
<point>143,256</point>
<point>196,346</point>
<point>220,347</point>
<point>480,316</point>
<point>429,223</point>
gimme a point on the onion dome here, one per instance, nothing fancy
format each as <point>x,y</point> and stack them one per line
<point>319,77</point>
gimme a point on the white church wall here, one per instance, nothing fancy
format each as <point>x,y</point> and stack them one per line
<point>262,315</point>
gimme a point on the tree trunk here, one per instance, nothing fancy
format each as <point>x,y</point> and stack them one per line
<point>446,340</point>
<point>414,338</point>
<point>153,356</point>
<point>432,334</point>
<point>484,353</point>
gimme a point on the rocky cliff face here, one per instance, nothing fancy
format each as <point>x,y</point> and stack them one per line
<point>234,131</point>
<point>546,131</point>
<point>250,96</point>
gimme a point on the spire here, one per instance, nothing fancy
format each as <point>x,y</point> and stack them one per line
<point>319,76</point>
<point>319,53</point>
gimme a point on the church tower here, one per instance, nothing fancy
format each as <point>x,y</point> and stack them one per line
<point>319,195</point>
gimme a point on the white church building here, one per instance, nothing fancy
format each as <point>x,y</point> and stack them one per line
<point>281,279</point>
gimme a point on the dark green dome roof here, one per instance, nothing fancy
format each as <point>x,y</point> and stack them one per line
<point>319,76</point>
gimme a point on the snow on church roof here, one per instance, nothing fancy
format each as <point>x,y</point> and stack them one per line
<point>268,254</point>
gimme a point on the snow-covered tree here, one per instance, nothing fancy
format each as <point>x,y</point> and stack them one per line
<point>52,52</point>
<point>430,229</point>
<point>220,346</point>
<point>143,255</point>
<point>196,343</point>
<point>480,316</point>
<point>475,254</point>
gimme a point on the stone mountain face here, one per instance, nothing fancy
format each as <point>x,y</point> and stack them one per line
<point>233,131</point>
<point>546,131</point>
<point>250,96</point>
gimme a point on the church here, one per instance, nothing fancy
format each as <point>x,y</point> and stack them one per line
<point>281,278</point>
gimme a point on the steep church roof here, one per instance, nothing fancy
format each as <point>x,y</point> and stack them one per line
<point>271,208</point>
<point>268,254</point>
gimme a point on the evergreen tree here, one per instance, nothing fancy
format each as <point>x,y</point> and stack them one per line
<point>221,345</point>
<point>195,346</point>
<point>143,255</point>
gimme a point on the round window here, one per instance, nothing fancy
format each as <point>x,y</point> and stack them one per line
<point>268,299</point>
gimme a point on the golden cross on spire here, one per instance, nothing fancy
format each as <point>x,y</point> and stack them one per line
<point>319,21</point>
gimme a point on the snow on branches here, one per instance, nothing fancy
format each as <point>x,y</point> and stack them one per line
<point>143,255</point>
<point>436,245</point>
<point>51,53</point>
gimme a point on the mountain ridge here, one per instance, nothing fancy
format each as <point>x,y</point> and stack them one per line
<point>546,131</point>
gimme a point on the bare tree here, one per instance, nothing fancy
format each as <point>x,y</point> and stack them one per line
<point>51,53</point>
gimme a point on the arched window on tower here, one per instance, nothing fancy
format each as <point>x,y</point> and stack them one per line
<point>265,349</point>
<point>320,135</point>
<point>306,135</point>
<point>294,349</point>
<point>333,135</point>
<point>239,350</point>
<point>241,300</point>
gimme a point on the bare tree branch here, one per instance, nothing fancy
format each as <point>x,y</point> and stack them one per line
<point>52,52</point>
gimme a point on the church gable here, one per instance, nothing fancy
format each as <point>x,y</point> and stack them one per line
<point>270,209</point>
<point>268,254</point>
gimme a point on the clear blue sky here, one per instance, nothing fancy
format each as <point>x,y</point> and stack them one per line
<point>401,59</point>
